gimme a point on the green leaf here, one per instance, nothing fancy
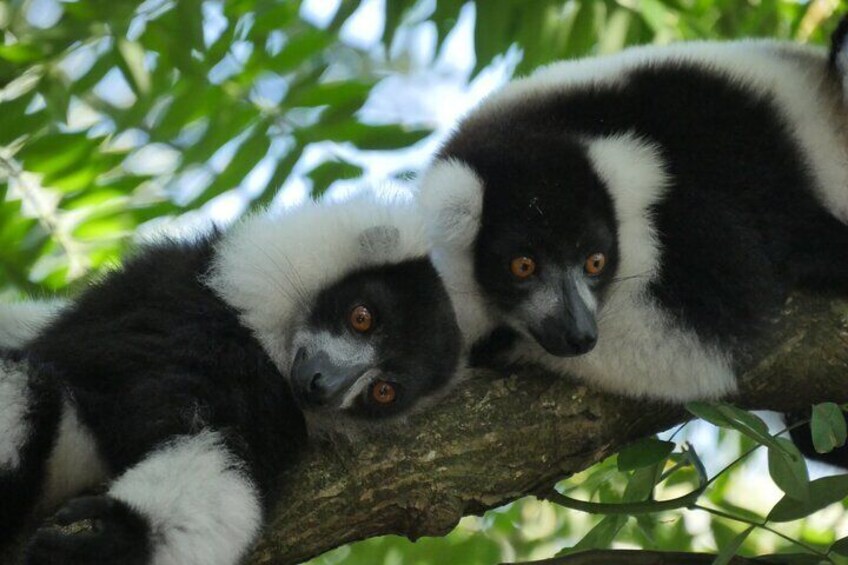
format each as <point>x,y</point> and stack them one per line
<point>840,547</point>
<point>364,136</point>
<point>308,44</point>
<point>328,172</point>
<point>643,453</point>
<point>493,32</point>
<point>395,11</point>
<point>445,17</point>
<point>727,416</point>
<point>56,152</point>
<point>131,63</point>
<point>331,93</point>
<point>729,550</point>
<point>21,52</point>
<point>599,537</point>
<point>789,472</point>
<point>823,492</point>
<point>641,484</point>
<point>709,413</point>
<point>792,559</point>
<point>828,427</point>
<point>249,153</point>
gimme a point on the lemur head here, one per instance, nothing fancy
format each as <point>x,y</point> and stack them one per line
<point>347,304</point>
<point>528,221</point>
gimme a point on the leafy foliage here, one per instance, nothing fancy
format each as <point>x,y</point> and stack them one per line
<point>115,115</point>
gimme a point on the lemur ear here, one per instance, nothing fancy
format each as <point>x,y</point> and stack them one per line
<point>379,241</point>
<point>451,196</point>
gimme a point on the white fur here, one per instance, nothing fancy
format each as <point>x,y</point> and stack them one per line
<point>270,268</point>
<point>792,76</point>
<point>14,404</point>
<point>634,173</point>
<point>641,353</point>
<point>201,508</point>
<point>21,321</point>
<point>74,463</point>
<point>640,350</point>
<point>357,387</point>
<point>451,197</point>
<point>343,350</point>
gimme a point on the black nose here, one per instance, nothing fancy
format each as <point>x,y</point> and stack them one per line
<point>583,343</point>
<point>307,381</point>
<point>563,339</point>
<point>316,380</point>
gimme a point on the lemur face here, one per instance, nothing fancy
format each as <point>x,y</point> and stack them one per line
<point>545,247</point>
<point>375,342</point>
<point>346,302</point>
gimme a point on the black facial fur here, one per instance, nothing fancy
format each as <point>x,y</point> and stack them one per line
<point>529,196</point>
<point>413,319</point>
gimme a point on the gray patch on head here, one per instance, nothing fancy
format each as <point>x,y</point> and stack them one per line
<point>379,240</point>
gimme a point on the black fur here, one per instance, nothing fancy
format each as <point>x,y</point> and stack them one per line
<point>150,353</point>
<point>739,225</point>
<point>837,42</point>
<point>405,301</point>
<point>110,532</point>
<point>19,488</point>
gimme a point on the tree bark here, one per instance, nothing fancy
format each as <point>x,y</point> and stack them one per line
<point>499,437</point>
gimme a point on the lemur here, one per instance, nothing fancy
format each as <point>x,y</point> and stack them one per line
<point>187,379</point>
<point>634,219</point>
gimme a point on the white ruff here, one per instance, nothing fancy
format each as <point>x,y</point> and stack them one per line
<point>14,405</point>
<point>270,268</point>
<point>640,351</point>
<point>451,197</point>
<point>21,321</point>
<point>74,464</point>
<point>201,508</point>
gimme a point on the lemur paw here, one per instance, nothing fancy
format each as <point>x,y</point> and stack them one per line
<point>91,529</point>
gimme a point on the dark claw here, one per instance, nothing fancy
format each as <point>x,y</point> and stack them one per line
<point>91,530</point>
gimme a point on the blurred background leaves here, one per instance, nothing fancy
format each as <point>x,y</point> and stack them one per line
<point>120,119</point>
<point>115,113</point>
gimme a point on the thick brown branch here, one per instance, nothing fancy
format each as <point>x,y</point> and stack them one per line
<point>499,438</point>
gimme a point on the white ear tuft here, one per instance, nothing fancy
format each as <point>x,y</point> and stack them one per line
<point>379,241</point>
<point>451,196</point>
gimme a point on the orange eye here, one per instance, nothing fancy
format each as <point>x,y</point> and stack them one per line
<point>522,267</point>
<point>361,319</point>
<point>595,263</point>
<point>383,392</point>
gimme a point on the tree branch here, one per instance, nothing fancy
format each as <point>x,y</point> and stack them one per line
<point>495,439</point>
<point>642,557</point>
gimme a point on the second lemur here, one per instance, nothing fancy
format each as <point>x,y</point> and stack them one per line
<point>637,218</point>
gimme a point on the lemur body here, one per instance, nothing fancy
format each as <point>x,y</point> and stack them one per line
<point>638,217</point>
<point>185,380</point>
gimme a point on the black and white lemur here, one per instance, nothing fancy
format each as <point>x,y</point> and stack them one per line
<point>635,218</point>
<point>188,378</point>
